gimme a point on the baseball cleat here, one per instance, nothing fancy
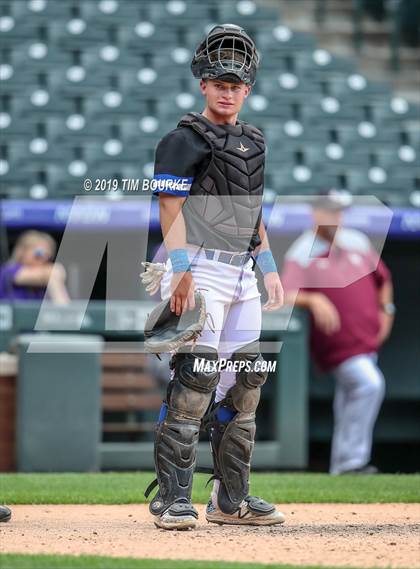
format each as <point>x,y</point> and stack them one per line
<point>5,514</point>
<point>179,516</point>
<point>252,512</point>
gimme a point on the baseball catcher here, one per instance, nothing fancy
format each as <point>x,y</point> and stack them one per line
<point>209,175</point>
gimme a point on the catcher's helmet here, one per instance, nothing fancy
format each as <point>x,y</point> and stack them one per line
<point>226,53</point>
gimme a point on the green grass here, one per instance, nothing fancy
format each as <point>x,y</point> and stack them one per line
<point>128,488</point>
<point>13,561</point>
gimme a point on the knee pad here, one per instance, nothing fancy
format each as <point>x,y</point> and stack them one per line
<point>195,378</point>
<point>197,369</point>
<point>245,394</point>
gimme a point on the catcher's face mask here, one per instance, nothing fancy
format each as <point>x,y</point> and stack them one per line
<point>227,53</point>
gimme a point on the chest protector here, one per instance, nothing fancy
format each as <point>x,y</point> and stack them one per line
<point>223,209</point>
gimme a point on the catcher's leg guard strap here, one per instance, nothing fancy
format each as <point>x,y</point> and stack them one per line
<point>232,429</point>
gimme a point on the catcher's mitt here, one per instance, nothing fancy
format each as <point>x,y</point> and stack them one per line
<point>164,331</point>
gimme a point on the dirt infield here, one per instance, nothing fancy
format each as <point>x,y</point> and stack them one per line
<point>368,535</point>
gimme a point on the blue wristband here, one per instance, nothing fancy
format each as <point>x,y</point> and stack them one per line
<point>180,261</point>
<point>266,262</point>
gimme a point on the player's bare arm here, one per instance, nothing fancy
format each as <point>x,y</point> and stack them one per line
<point>174,234</point>
<point>272,280</point>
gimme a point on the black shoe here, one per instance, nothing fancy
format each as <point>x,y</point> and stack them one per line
<point>367,469</point>
<point>5,514</point>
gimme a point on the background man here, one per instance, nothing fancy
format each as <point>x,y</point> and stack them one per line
<point>348,323</point>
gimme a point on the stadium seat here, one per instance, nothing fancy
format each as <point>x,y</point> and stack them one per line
<point>108,57</point>
<point>271,63</point>
<point>288,86</point>
<point>14,80</point>
<point>247,13</point>
<point>394,109</point>
<point>12,127</point>
<point>75,129</point>
<point>333,155</point>
<point>174,61</point>
<point>261,110</point>
<point>144,36</point>
<point>278,38</point>
<point>401,161</point>
<point>179,13</point>
<point>37,56</point>
<point>390,187</point>
<point>144,132</point>
<point>366,133</point>
<point>111,104</point>
<point>147,82</point>
<point>292,132</point>
<point>76,80</point>
<point>36,150</point>
<point>19,163</point>
<point>357,86</point>
<point>39,101</point>
<point>108,13</point>
<point>75,32</point>
<point>410,137</point>
<point>13,30</point>
<point>329,109</point>
<point>299,180</point>
<point>41,181</point>
<point>320,62</point>
<point>172,107</point>
<point>112,151</point>
<point>38,12</point>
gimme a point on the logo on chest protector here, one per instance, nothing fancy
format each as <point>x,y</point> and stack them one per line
<point>242,148</point>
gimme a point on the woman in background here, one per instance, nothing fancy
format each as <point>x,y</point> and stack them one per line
<point>30,271</point>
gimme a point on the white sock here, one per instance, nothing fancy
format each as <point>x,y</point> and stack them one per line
<point>215,491</point>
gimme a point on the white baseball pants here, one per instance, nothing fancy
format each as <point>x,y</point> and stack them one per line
<point>233,302</point>
<point>359,392</point>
